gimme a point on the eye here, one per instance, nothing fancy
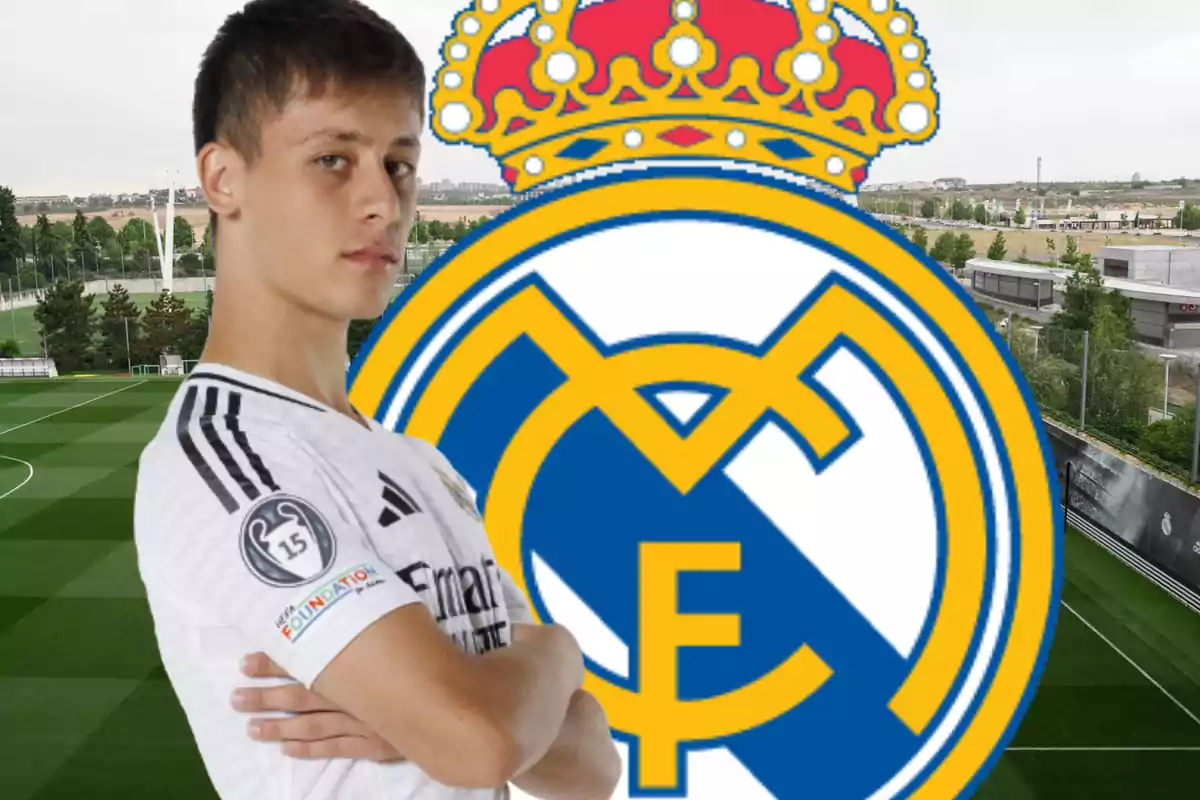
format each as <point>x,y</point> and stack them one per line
<point>399,169</point>
<point>328,161</point>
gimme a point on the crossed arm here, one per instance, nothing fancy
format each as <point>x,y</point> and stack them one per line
<point>535,727</point>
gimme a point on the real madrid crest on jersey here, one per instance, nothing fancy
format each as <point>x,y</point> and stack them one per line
<point>766,461</point>
<point>458,491</point>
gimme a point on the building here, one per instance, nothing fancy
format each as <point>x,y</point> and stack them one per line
<point>1019,284</point>
<point>1164,316</point>
<point>949,184</point>
<point>1161,264</point>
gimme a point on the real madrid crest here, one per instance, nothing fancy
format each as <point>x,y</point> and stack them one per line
<point>769,457</point>
<point>458,491</point>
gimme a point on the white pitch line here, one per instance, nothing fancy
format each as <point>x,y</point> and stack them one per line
<point>72,408</point>
<point>1145,674</point>
<point>1164,749</point>
<point>28,477</point>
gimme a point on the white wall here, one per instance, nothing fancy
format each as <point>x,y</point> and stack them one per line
<point>1180,265</point>
<point>154,286</point>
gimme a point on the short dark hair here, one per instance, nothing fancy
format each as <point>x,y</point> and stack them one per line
<point>264,52</point>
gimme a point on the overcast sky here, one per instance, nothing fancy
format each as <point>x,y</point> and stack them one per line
<point>96,94</point>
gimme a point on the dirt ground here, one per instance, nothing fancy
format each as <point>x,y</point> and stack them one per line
<point>1032,244</point>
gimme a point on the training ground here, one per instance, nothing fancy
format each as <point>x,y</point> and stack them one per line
<point>86,710</point>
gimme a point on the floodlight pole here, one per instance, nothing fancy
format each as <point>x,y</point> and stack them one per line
<point>128,352</point>
<point>12,307</point>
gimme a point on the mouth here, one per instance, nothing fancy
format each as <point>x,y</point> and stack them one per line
<point>374,259</point>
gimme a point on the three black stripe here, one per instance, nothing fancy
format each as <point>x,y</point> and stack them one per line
<point>206,471</point>
<point>231,422</point>
<point>399,502</point>
<point>182,425</point>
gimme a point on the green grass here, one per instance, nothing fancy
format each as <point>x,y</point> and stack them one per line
<point>86,709</point>
<point>29,334</point>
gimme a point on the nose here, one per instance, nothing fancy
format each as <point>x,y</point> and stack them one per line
<point>380,198</point>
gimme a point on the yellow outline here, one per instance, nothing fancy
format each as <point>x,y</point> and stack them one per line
<point>1018,435</point>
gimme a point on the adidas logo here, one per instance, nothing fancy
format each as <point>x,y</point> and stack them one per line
<point>398,503</point>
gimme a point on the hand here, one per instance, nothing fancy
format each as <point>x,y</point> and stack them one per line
<point>318,728</point>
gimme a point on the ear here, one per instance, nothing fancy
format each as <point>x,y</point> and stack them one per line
<point>220,169</point>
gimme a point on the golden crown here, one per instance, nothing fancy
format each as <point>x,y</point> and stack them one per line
<point>625,80</point>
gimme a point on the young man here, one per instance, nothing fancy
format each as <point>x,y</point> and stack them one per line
<point>273,519</point>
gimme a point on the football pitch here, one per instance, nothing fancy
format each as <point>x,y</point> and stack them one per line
<point>86,709</point>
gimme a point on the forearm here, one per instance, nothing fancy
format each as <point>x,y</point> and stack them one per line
<point>582,763</point>
<point>527,689</point>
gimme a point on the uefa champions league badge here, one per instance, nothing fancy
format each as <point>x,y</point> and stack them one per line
<point>765,459</point>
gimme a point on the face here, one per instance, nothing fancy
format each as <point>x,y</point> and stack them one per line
<point>325,210</point>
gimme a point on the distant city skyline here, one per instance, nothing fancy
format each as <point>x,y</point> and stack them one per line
<point>1097,88</point>
<point>448,185</point>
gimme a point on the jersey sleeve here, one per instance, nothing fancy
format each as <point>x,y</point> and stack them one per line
<point>269,545</point>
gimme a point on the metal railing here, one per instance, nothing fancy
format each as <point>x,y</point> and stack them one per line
<point>1113,389</point>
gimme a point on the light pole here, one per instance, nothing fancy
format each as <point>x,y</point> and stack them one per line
<point>1167,359</point>
<point>12,308</point>
<point>128,352</point>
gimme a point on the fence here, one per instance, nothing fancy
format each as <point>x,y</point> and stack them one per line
<point>1129,396</point>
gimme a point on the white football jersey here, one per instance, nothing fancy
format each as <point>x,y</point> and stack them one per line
<point>266,521</point>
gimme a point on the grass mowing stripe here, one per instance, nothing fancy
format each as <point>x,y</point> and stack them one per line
<point>1135,665</point>
<point>49,720</point>
<point>72,408</point>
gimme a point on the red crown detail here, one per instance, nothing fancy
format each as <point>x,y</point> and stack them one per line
<point>623,80</point>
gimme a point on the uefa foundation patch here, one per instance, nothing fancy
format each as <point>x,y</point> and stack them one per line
<point>763,458</point>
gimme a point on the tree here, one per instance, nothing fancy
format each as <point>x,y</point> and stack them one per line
<point>10,349</point>
<point>1122,382</point>
<point>1189,217</point>
<point>964,251</point>
<point>943,248</point>
<point>921,240</point>
<point>192,346</point>
<point>360,331</point>
<point>119,310</point>
<point>981,214</point>
<point>11,250</point>
<point>167,324</point>
<point>999,249</point>
<point>1070,256</point>
<point>1020,219</point>
<point>1171,439</point>
<point>1083,294</point>
<point>929,208</point>
<point>184,235</point>
<point>83,234</point>
<point>68,324</point>
<point>137,233</point>
<point>101,232</point>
